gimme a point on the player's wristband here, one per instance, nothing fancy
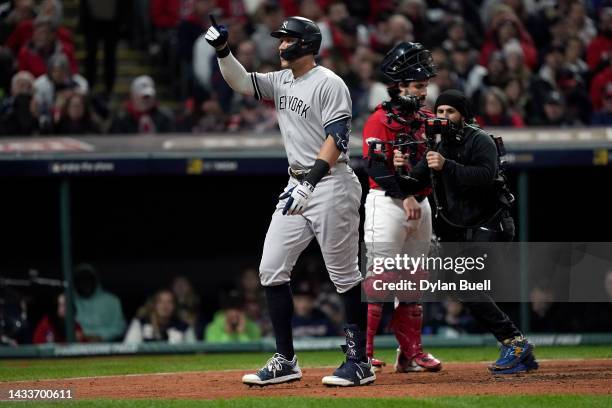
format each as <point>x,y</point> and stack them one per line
<point>318,171</point>
<point>223,52</point>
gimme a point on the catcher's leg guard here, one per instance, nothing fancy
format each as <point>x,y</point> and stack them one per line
<point>407,323</point>
<point>374,317</point>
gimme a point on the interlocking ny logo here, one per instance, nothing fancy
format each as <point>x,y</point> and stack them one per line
<point>285,23</point>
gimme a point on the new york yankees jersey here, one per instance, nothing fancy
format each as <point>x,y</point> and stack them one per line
<point>305,106</point>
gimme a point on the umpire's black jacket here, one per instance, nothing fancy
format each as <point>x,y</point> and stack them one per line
<point>465,186</point>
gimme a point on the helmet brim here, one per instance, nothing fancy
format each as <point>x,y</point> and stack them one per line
<point>285,33</point>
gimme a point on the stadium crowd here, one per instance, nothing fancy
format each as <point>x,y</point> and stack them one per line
<point>521,62</point>
<point>175,313</point>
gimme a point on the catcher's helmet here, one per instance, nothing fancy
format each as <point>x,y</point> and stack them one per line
<point>408,61</point>
<point>307,33</point>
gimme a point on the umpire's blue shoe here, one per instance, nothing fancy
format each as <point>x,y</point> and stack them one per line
<point>512,353</point>
<point>529,364</point>
<point>357,369</point>
<point>277,370</point>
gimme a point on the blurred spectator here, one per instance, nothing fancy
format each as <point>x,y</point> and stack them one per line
<point>604,115</point>
<point>7,69</point>
<point>52,89</point>
<point>253,116</point>
<point>444,79</point>
<point>251,291</point>
<point>271,18</point>
<point>52,327</point>
<point>18,113</point>
<point>516,96</point>
<point>544,82</point>
<point>400,29</point>
<point>506,26</point>
<point>368,92</point>
<point>202,117</point>
<point>156,320</point>
<point>479,78</point>
<point>599,50</point>
<point>98,311</point>
<point>187,301</point>
<point>231,324</point>
<point>189,30</point>
<point>141,113</point>
<point>329,302</point>
<point>308,321</point>
<point>101,20</point>
<point>204,62</point>
<point>515,61</point>
<point>496,112</point>
<point>15,328</point>
<point>598,84</point>
<point>336,11</point>
<point>554,112</point>
<point>33,56</point>
<point>608,285</point>
<point>578,23</point>
<point>452,320</point>
<point>12,13</point>
<point>165,16</point>
<point>24,31</point>
<point>462,62</point>
<point>76,117</point>
<point>311,9</point>
<point>574,50</point>
<point>390,30</point>
<point>458,35</point>
<point>346,38</point>
<point>574,90</point>
<point>547,315</point>
<point>416,11</point>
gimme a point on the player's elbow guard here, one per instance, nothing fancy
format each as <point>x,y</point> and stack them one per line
<point>340,130</point>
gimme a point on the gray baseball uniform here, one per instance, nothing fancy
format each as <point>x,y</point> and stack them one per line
<point>305,106</point>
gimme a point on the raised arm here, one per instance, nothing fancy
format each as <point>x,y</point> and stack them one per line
<point>232,70</point>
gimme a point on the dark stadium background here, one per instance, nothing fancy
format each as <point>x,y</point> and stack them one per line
<point>140,232</point>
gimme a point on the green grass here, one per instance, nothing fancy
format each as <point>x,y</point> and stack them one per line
<point>556,401</point>
<point>21,369</point>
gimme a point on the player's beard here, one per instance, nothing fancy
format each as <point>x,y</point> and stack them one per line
<point>284,63</point>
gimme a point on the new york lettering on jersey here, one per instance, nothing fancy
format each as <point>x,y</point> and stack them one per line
<point>294,104</point>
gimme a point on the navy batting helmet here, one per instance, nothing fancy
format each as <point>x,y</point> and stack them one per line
<point>408,61</point>
<point>307,33</point>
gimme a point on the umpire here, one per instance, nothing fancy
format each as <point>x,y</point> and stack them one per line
<point>472,203</point>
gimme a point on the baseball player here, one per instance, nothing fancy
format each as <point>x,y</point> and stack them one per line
<point>321,199</point>
<point>396,221</point>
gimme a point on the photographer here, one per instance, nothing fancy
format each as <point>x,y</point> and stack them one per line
<point>396,221</point>
<point>472,204</point>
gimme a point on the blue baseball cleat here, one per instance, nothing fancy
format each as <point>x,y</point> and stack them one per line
<point>512,353</point>
<point>357,368</point>
<point>277,370</point>
<point>529,364</point>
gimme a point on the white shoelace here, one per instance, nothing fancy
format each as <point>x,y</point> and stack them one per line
<point>274,364</point>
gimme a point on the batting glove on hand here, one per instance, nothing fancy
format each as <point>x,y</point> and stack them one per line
<point>297,196</point>
<point>216,35</point>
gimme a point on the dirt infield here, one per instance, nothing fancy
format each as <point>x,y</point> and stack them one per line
<point>553,377</point>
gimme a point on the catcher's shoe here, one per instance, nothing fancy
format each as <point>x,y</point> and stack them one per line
<point>377,365</point>
<point>528,364</point>
<point>357,368</point>
<point>512,353</point>
<point>421,362</point>
<point>277,370</point>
